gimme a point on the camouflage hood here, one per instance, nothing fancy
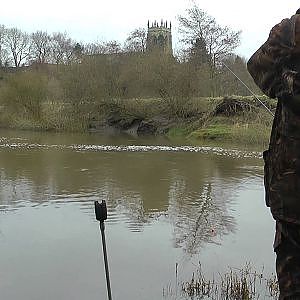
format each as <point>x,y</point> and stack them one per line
<point>273,66</point>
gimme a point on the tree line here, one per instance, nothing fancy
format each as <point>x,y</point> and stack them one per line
<point>18,48</point>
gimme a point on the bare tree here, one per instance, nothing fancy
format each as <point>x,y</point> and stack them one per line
<point>18,43</point>
<point>62,48</point>
<point>112,47</point>
<point>41,47</point>
<point>4,54</point>
<point>219,41</point>
<point>94,48</point>
<point>136,41</point>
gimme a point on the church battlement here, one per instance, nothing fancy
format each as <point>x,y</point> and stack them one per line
<point>163,24</point>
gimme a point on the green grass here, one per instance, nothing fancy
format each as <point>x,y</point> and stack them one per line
<point>256,134</point>
<point>177,132</point>
<point>212,132</point>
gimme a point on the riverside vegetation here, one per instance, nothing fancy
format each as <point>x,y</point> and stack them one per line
<point>143,93</point>
<point>235,284</point>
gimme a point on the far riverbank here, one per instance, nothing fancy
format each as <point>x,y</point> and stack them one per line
<point>235,118</point>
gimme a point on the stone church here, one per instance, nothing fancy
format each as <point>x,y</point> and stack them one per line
<point>159,37</point>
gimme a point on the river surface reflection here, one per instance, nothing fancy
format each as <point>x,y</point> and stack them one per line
<point>166,206</point>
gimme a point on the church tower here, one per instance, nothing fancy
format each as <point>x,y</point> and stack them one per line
<point>159,37</point>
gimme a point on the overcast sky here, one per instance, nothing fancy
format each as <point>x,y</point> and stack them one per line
<point>91,20</point>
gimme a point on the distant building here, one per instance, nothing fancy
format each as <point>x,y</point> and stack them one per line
<point>159,37</point>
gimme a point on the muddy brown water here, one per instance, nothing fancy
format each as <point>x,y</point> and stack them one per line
<point>167,205</point>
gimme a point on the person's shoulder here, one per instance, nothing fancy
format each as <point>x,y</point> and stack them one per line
<point>281,31</point>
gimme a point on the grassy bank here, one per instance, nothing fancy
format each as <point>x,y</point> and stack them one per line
<point>236,119</point>
<point>60,100</point>
<point>233,119</point>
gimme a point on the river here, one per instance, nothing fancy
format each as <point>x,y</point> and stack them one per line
<point>168,205</point>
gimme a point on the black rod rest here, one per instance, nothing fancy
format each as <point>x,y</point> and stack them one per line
<point>101,216</point>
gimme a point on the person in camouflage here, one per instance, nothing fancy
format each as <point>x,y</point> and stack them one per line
<point>275,68</point>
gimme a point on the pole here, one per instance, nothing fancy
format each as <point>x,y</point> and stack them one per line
<point>101,216</point>
<point>244,84</point>
<point>102,228</point>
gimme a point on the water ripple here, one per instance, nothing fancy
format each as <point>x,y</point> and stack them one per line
<point>134,148</point>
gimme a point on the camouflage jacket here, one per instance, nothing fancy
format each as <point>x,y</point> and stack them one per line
<point>275,68</point>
